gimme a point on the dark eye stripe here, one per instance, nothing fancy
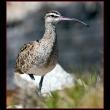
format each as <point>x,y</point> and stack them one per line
<point>54,16</point>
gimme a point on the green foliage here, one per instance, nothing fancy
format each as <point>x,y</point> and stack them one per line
<point>87,93</point>
<point>84,89</point>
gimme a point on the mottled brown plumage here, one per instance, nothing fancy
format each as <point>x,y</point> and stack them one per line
<point>37,57</point>
<point>40,57</point>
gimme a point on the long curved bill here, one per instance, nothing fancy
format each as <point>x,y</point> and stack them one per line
<point>73,19</point>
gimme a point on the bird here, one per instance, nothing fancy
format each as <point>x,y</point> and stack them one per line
<point>39,57</point>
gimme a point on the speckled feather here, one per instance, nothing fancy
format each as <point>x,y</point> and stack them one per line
<point>38,57</point>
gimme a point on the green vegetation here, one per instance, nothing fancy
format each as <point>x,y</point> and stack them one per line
<point>87,93</point>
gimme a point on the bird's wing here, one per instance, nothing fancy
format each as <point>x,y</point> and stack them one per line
<point>26,56</point>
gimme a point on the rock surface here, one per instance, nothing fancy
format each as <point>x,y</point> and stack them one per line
<point>57,79</point>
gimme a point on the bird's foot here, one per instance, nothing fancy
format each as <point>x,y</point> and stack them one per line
<point>38,91</point>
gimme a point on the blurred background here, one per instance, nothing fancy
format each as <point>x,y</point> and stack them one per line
<point>80,48</point>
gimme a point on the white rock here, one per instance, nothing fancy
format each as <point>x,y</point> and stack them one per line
<point>57,79</point>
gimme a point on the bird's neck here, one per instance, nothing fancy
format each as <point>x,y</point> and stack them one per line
<point>50,33</point>
<point>49,26</point>
<point>49,41</point>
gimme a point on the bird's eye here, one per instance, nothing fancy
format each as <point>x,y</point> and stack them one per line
<point>54,16</point>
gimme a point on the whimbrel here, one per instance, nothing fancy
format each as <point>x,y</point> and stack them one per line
<point>40,57</point>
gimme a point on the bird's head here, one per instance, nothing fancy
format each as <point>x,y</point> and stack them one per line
<point>54,17</point>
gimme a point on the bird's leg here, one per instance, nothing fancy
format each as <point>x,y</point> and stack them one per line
<point>40,83</point>
<point>31,76</point>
